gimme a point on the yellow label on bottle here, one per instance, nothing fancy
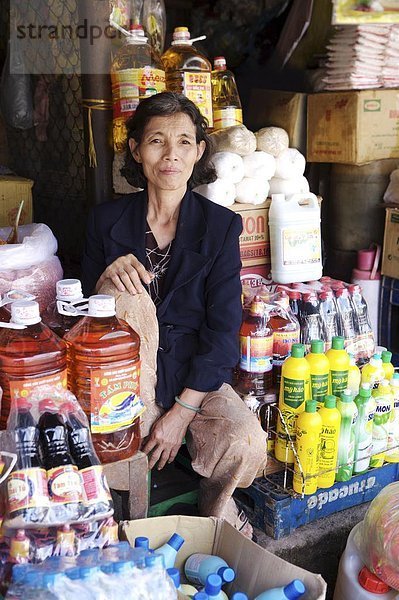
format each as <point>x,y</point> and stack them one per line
<point>129,86</point>
<point>227,117</point>
<point>198,88</point>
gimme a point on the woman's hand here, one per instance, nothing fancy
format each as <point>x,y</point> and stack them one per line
<point>167,435</point>
<point>126,273</point>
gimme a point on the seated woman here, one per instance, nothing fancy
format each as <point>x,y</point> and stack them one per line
<point>184,249</point>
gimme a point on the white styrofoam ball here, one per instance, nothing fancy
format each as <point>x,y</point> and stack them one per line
<point>272,140</point>
<point>228,165</point>
<point>290,164</point>
<point>221,191</point>
<point>299,185</point>
<point>260,165</point>
<point>252,191</point>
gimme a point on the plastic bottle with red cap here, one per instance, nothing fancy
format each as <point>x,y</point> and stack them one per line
<point>347,317</point>
<point>30,355</point>
<point>329,315</point>
<point>312,322</point>
<point>364,343</point>
<point>27,494</point>
<point>64,482</point>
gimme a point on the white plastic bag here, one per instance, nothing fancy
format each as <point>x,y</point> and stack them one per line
<point>36,244</point>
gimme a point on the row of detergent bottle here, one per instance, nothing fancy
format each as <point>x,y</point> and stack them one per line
<point>354,428</point>
<point>98,359</point>
<point>134,573</point>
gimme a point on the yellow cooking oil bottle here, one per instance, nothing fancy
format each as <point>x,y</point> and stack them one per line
<point>354,375</point>
<point>381,423</point>
<point>188,72</point>
<point>339,366</point>
<point>226,101</point>
<point>388,367</point>
<point>136,73</point>
<point>319,372</point>
<point>294,391</point>
<point>331,423</point>
<point>308,438</point>
<point>373,372</point>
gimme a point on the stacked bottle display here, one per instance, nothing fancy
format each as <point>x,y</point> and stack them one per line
<point>327,430</point>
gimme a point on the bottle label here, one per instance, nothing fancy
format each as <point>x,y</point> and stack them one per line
<point>115,401</point>
<point>339,382</point>
<point>129,86</point>
<point>227,117</point>
<point>282,342</point>
<point>65,484</point>
<point>27,489</point>
<point>193,565</point>
<point>22,388</point>
<point>95,486</point>
<point>256,353</point>
<point>198,88</point>
<point>294,391</point>
<point>319,387</point>
<point>301,245</point>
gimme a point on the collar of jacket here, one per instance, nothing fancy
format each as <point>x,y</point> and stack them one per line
<point>187,260</point>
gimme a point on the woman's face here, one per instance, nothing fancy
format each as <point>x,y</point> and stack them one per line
<point>168,151</point>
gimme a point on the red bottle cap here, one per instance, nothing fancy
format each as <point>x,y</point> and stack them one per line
<point>67,407</point>
<point>23,404</point>
<point>342,293</point>
<point>47,404</point>
<point>354,289</point>
<point>294,295</point>
<point>326,294</point>
<point>372,583</point>
<point>309,296</point>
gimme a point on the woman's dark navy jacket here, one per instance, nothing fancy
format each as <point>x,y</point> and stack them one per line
<point>200,314</point>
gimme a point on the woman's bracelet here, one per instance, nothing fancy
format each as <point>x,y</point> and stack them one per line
<point>185,405</point>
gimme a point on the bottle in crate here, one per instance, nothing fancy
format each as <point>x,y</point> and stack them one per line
<point>383,406</point>
<point>104,375</point>
<point>256,351</point>
<point>225,98</point>
<point>136,73</point>
<point>188,72</point>
<point>308,439</point>
<point>294,391</point>
<point>30,355</point>
<point>364,429</point>
<point>331,424</point>
<point>347,436</point>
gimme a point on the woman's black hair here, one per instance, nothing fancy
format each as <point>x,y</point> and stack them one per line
<point>164,105</point>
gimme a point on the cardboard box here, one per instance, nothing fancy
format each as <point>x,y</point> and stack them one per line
<point>13,189</point>
<point>390,257</point>
<point>279,109</point>
<point>254,240</point>
<point>353,127</point>
<point>256,568</point>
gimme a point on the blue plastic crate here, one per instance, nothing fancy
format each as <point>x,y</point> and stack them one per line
<point>278,513</point>
<point>389,316</point>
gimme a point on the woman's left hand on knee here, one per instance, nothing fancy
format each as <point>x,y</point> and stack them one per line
<point>165,439</point>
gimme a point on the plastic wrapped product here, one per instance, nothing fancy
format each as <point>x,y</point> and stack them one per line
<point>252,191</point>
<point>272,140</point>
<point>228,165</point>
<point>288,187</point>
<point>221,191</point>
<point>290,164</point>
<point>260,165</point>
<point>236,139</point>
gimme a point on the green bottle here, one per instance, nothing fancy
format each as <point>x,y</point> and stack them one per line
<point>346,443</point>
<point>383,405</point>
<point>364,428</point>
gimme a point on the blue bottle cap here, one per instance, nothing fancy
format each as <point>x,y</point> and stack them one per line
<point>121,565</point>
<point>73,573</point>
<point>228,575</point>
<point>174,575</point>
<point>142,542</point>
<point>155,560</point>
<point>107,567</point>
<point>239,596</point>
<point>201,596</point>
<point>176,541</point>
<point>294,590</point>
<point>213,584</point>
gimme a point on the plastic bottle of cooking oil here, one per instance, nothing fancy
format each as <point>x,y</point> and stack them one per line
<point>30,354</point>
<point>225,98</point>
<point>308,438</point>
<point>67,290</point>
<point>188,72</point>
<point>136,73</point>
<point>294,391</point>
<point>104,375</point>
